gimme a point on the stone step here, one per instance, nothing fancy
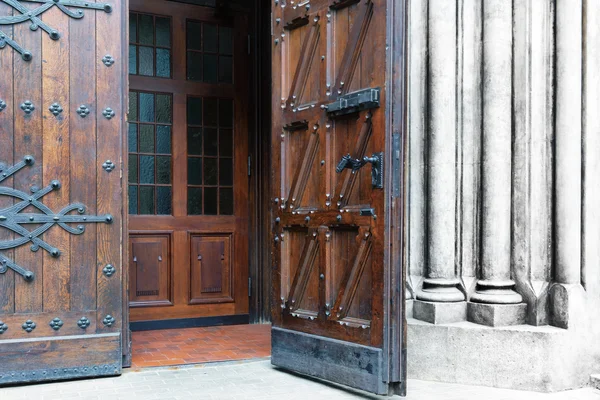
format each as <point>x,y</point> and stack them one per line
<point>595,381</point>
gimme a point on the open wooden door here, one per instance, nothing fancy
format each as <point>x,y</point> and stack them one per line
<point>336,175</point>
<point>61,207</point>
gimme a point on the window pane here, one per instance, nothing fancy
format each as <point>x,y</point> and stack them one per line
<point>146,138</point>
<point>226,113</point>
<point>225,40</point>
<point>163,32</point>
<point>133,28</point>
<point>194,201</point>
<point>210,68</point>
<point>211,112</point>
<point>163,63</point>
<point>146,29</point>
<point>132,138</point>
<point>146,61</point>
<point>194,111</point>
<point>210,38</point>
<point>133,169</point>
<point>210,201</point>
<point>146,200</point>
<point>163,170</point>
<point>163,139</point>
<point>146,169</point>
<point>210,171</point>
<point>194,66</point>
<point>132,114</point>
<point>226,142</point>
<point>133,200</point>
<point>225,69</point>
<point>164,109</point>
<point>195,141</point>
<point>194,171</point>
<point>146,107</point>
<point>210,142</point>
<point>226,201</point>
<point>163,200</point>
<point>226,171</point>
<point>133,60</point>
<point>194,35</point>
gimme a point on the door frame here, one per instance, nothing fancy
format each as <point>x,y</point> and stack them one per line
<point>259,184</point>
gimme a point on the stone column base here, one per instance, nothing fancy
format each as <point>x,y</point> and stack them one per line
<point>440,313</point>
<point>497,314</point>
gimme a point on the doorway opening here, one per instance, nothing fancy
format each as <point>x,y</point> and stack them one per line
<point>196,153</point>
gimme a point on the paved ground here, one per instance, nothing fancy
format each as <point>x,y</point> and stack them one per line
<point>249,381</point>
<point>170,347</point>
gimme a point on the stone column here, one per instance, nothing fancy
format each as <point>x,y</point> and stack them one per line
<point>495,286</point>
<point>440,300</point>
<point>568,160</point>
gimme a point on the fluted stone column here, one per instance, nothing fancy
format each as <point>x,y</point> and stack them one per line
<point>440,299</point>
<point>568,147</point>
<point>495,288</point>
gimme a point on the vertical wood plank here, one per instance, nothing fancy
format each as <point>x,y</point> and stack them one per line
<point>110,28</point>
<point>28,141</point>
<point>82,86</point>
<point>7,280</point>
<point>56,135</point>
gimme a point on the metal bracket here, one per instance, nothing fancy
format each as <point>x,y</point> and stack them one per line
<point>354,102</point>
<point>376,161</point>
<point>12,219</point>
<point>24,14</point>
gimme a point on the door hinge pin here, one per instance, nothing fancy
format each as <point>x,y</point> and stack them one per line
<point>249,287</point>
<point>249,165</point>
<point>249,44</point>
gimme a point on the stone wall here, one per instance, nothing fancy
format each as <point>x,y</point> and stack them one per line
<point>503,232</point>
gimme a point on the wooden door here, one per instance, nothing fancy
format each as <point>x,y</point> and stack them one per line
<point>62,88</point>
<point>336,242</point>
<point>188,164</point>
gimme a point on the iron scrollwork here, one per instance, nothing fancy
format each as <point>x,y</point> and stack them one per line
<point>12,219</point>
<point>23,14</point>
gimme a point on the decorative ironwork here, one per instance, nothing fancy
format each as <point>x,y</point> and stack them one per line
<point>56,323</point>
<point>27,106</point>
<point>108,60</point>
<point>108,113</point>
<point>109,270</point>
<point>2,105</point>
<point>83,111</point>
<point>55,109</point>
<point>23,14</point>
<point>28,326</point>
<point>108,166</point>
<point>3,327</point>
<point>108,320</point>
<point>13,219</point>
<point>83,322</point>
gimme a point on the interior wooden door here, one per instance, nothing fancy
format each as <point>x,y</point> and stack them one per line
<point>335,242</point>
<point>62,86</point>
<point>188,164</point>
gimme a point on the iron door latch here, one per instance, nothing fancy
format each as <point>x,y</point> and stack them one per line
<point>376,161</point>
<point>354,102</point>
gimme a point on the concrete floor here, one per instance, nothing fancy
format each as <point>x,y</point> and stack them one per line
<point>250,380</point>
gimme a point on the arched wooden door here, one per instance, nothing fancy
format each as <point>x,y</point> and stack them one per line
<point>61,204</point>
<point>337,160</point>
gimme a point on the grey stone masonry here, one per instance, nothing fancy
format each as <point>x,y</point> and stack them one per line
<point>503,198</point>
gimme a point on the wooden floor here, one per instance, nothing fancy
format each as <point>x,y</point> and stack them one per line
<point>199,345</point>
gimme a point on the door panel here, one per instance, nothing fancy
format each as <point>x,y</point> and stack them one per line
<point>61,113</point>
<point>332,193</point>
<point>188,153</point>
<point>150,273</point>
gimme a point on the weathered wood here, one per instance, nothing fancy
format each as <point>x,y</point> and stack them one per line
<point>346,363</point>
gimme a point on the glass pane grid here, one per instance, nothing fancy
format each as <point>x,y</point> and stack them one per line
<point>150,154</point>
<point>209,52</point>
<point>150,40</point>
<point>210,156</point>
